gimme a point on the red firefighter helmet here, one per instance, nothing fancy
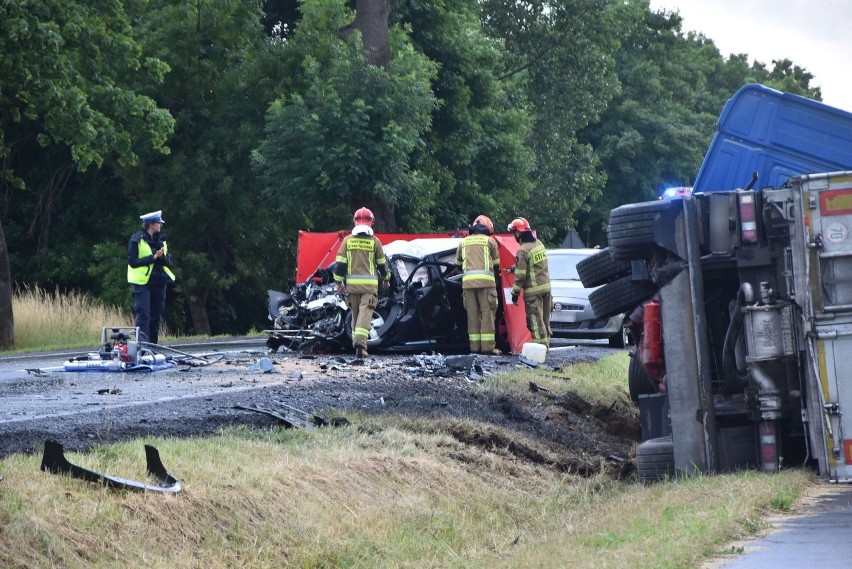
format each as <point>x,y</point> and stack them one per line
<point>363,217</point>
<point>486,221</point>
<point>520,224</point>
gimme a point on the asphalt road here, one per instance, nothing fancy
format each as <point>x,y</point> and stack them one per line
<point>818,537</point>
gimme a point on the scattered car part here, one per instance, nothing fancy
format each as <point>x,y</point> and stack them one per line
<point>286,418</point>
<point>54,461</point>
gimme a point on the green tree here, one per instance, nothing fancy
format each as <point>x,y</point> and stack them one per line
<point>71,75</point>
<point>656,130</point>
<point>476,150</point>
<point>344,136</point>
<point>559,60</point>
<point>224,72</point>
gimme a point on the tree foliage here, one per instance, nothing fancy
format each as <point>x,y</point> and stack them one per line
<point>70,76</point>
<point>346,138</point>
<point>247,120</point>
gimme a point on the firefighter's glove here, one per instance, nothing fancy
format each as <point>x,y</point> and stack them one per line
<point>515,296</point>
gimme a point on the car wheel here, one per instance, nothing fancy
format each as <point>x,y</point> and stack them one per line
<point>620,296</point>
<point>655,459</point>
<point>631,230</point>
<point>638,382</point>
<point>599,269</point>
<point>376,322</point>
<point>621,339</point>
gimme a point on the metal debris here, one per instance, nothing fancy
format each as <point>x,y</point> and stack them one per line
<point>294,418</point>
<point>289,420</point>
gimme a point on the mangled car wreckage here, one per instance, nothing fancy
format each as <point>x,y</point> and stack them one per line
<point>420,310</point>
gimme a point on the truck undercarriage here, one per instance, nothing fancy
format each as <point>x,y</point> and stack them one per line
<point>743,348</point>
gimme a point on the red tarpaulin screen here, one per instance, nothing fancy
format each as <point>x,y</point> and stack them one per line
<point>317,250</point>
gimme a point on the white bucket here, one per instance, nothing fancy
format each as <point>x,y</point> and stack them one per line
<point>535,352</point>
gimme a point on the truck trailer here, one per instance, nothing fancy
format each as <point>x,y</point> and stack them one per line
<point>740,297</point>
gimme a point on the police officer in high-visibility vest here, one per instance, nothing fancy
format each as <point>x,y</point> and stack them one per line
<point>532,276</point>
<point>479,258</point>
<point>360,262</point>
<point>149,271</point>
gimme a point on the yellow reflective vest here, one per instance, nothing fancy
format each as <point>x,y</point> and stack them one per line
<point>531,271</point>
<point>141,275</point>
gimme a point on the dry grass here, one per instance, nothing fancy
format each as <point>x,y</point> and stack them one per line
<point>378,495</point>
<point>50,321</point>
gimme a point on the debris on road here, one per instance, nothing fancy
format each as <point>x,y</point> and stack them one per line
<point>263,365</point>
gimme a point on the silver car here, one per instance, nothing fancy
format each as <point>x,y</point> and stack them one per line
<point>572,315</point>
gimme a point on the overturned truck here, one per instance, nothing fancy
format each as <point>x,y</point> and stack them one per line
<point>742,311</point>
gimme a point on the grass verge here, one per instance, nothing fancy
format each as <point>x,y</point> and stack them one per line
<point>374,496</point>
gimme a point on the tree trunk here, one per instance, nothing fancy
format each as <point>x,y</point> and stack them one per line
<point>7,321</point>
<point>385,215</point>
<point>371,19</point>
<point>198,312</point>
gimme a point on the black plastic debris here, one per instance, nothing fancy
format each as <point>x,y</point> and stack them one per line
<point>54,461</point>
<point>526,361</point>
<point>460,362</point>
<point>535,388</point>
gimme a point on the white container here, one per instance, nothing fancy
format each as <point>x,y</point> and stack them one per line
<point>535,352</point>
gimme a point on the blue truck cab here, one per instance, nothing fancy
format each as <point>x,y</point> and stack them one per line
<point>778,136</point>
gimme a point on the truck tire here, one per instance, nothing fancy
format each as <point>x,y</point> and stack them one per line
<point>638,382</point>
<point>620,296</point>
<point>599,269</point>
<point>631,230</point>
<point>655,460</point>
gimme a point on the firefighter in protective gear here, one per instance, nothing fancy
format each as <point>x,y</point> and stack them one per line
<point>532,276</point>
<point>478,257</point>
<point>149,272</point>
<point>360,263</point>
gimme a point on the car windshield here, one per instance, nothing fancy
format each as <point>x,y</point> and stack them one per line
<point>563,267</point>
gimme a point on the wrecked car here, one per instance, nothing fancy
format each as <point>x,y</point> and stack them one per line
<point>421,309</point>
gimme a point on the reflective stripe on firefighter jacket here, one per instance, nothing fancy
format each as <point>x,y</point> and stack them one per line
<point>142,274</point>
<point>360,260</point>
<point>531,272</point>
<point>478,256</point>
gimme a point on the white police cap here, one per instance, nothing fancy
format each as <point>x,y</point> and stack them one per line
<point>153,217</point>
